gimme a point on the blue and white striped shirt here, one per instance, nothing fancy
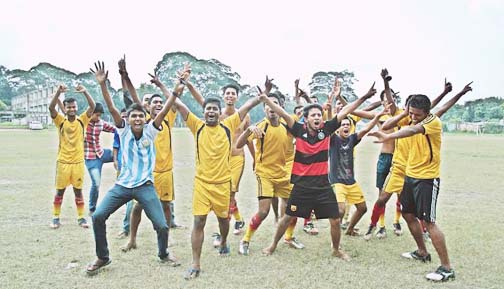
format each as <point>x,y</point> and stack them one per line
<point>138,156</point>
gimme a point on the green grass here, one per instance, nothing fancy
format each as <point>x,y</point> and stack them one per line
<point>34,256</point>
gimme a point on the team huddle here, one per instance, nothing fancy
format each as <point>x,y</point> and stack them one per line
<point>303,162</point>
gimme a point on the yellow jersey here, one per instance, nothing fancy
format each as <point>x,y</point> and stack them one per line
<point>424,158</point>
<point>213,147</point>
<point>163,144</point>
<point>402,146</point>
<point>71,138</point>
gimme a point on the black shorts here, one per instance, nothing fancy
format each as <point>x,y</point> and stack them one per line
<point>383,168</point>
<point>419,197</point>
<point>322,201</point>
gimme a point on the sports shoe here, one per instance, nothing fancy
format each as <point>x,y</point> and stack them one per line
<point>344,225</point>
<point>397,229</point>
<point>192,273</point>
<point>310,229</point>
<point>216,239</point>
<point>441,274</point>
<point>244,248</point>
<point>83,223</point>
<point>369,233</point>
<point>55,224</point>
<point>426,237</point>
<point>170,261</point>
<point>294,243</point>
<point>224,251</point>
<point>415,256</point>
<point>382,233</point>
<point>239,225</point>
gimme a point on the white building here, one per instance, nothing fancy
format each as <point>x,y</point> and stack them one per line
<point>35,104</point>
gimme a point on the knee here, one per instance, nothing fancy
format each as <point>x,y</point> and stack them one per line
<point>199,224</point>
<point>263,214</point>
<point>99,217</point>
<point>362,208</point>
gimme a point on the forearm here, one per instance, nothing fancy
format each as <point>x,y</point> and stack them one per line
<point>166,108</point>
<point>445,107</point>
<point>131,88</point>
<point>405,132</point>
<point>52,104</point>
<point>372,106</point>
<point>245,108</point>
<point>347,109</point>
<point>110,105</point>
<point>438,99</point>
<point>280,111</point>
<point>388,95</point>
<point>241,141</point>
<point>393,121</point>
<point>91,103</point>
<point>341,99</point>
<point>195,94</point>
<point>363,114</point>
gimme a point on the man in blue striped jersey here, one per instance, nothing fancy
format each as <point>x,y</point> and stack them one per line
<point>135,180</point>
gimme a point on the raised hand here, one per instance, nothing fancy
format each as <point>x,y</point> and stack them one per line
<point>385,75</point>
<point>371,92</point>
<point>62,88</point>
<point>447,86</point>
<point>467,88</point>
<point>257,132</point>
<point>100,74</point>
<point>268,85</point>
<point>336,90</point>
<point>80,88</point>
<point>122,66</point>
<point>155,79</point>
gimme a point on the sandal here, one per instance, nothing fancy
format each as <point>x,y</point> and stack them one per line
<point>98,264</point>
<point>192,273</point>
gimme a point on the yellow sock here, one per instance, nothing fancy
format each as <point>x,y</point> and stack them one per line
<point>237,216</point>
<point>79,203</point>
<point>248,234</point>
<point>289,233</point>
<point>381,221</point>
<point>57,206</point>
<point>397,216</point>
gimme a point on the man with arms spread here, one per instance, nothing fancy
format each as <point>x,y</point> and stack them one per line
<point>70,162</point>
<point>135,180</point>
<point>312,190</point>
<point>212,182</point>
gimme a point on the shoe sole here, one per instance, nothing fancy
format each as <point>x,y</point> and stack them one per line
<point>94,272</point>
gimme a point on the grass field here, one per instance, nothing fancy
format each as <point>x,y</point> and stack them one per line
<point>35,256</point>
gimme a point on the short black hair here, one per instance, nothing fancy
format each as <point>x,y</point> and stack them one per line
<point>136,106</point>
<point>307,108</point>
<point>420,101</point>
<point>152,96</point>
<point>69,100</point>
<point>408,99</point>
<point>231,85</point>
<point>123,110</point>
<point>212,100</point>
<point>298,107</point>
<point>98,108</point>
<point>382,94</point>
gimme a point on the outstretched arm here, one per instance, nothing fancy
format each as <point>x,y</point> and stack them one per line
<point>370,125</point>
<point>447,89</point>
<point>347,109</point>
<point>52,105</point>
<point>171,97</point>
<point>195,93</point>
<point>91,103</point>
<point>393,121</point>
<point>101,77</point>
<point>125,78</point>
<point>364,114</point>
<point>453,100</point>
<point>278,109</point>
<point>388,93</point>
<point>402,133</point>
<point>372,106</point>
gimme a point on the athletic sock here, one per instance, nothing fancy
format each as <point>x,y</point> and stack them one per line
<point>289,233</point>
<point>79,202</point>
<point>255,222</point>
<point>57,206</point>
<point>381,220</point>
<point>397,215</point>
<point>377,212</point>
<point>306,221</point>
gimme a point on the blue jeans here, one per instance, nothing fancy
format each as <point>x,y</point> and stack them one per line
<point>118,196</point>
<point>126,220</point>
<point>95,168</point>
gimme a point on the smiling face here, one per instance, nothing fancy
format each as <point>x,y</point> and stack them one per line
<point>230,96</point>
<point>156,105</point>
<point>71,108</point>
<point>136,119</point>
<point>314,119</point>
<point>211,112</point>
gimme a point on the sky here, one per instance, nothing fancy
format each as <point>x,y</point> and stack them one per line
<point>419,42</point>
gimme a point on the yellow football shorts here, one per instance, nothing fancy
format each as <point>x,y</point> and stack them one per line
<point>69,174</point>
<point>211,197</point>
<point>236,163</point>
<point>395,179</point>
<point>269,188</point>
<point>352,194</point>
<point>163,183</point>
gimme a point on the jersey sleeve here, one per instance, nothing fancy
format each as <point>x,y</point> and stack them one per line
<point>58,120</point>
<point>296,129</point>
<point>193,123</point>
<point>432,125</point>
<point>84,118</point>
<point>331,125</point>
<point>117,142</point>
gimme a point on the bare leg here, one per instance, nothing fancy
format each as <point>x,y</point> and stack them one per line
<point>439,243</point>
<point>282,227</point>
<point>197,237</point>
<point>361,210</point>
<point>136,217</point>
<point>416,232</point>
<point>224,230</point>
<point>335,238</point>
<point>274,205</point>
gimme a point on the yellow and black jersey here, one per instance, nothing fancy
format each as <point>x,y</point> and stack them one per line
<point>163,144</point>
<point>424,157</point>
<point>71,138</point>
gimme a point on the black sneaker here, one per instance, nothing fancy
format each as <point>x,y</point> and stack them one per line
<point>441,274</point>
<point>397,229</point>
<point>238,228</point>
<point>382,233</point>
<point>369,233</point>
<point>415,256</point>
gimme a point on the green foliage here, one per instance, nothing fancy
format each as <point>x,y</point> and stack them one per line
<point>486,109</point>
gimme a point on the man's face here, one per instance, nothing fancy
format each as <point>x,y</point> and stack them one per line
<point>71,108</point>
<point>344,130</point>
<point>417,115</point>
<point>211,113</point>
<point>230,96</point>
<point>299,112</point>
<point>124,115</point>
<point>270,114</point>
<point>145,102</point>
<point>156,105</point>
<point>136,120</point>
<point>96,116</point>
<point>314,119</point>
<point>338,106</point>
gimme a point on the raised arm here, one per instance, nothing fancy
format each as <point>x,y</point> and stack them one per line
<point>125,78</point>
<point>388,93</point>
<point>349,108</point>
<point>171,97</point>
<point>393,121</point>
<point>91,102</point>
<point>402,133</point>
<point>61,106</point>
<point>446,90</point>
<point>52,105</point>
<point>364,114</point>
<point>101,77</point>
<point>247,106</point>
<point>195,93</point>
<point>370,124</point>
<point>372,106</point>
<point>278,109</point>
<point>453,100</point>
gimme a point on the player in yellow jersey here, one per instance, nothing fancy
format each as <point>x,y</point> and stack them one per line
<point>421,184</point>
<point>212,183</point>
<point>70,161</point>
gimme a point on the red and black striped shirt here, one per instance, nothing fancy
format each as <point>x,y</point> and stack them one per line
<point>310,167</point>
